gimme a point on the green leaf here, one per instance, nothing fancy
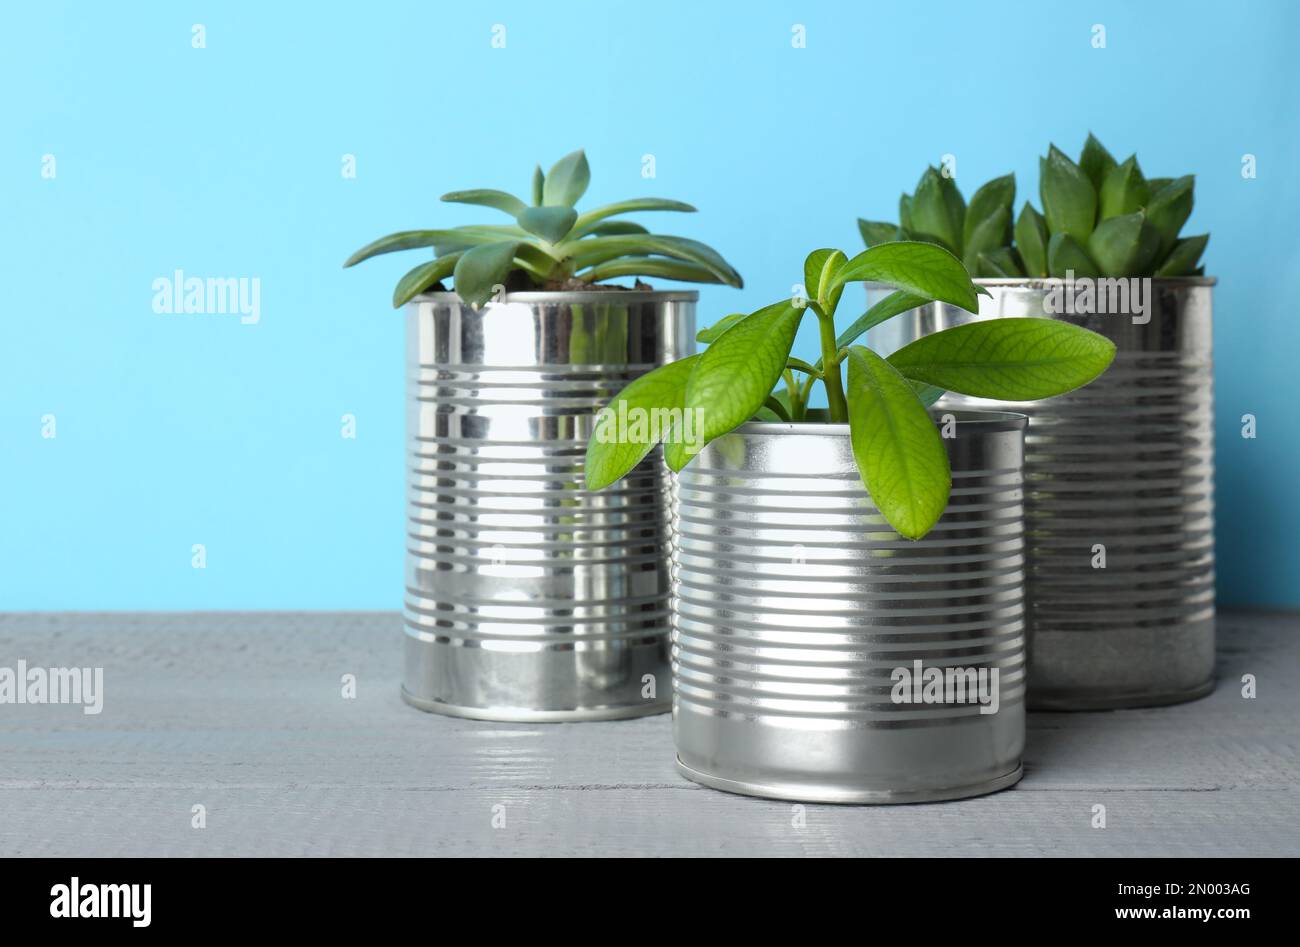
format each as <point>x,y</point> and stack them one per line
<point>1069,199</point>
<point>1169,209</point>
<point>899,452</point>
<point>618,442</point>
<point>1096,162</point>
<point>998,263</point>
<point>1065,254</point>
<point>649,266</point>
<point>481,269</point>
<point>539,186</point>
<point>611,228</point>
<point>1031,240</point>
<point>938,210</point>
<point>773,405</point>
<point>462,238</point>
<point>1021,359</point>
<point>567,180</point>
<point>1117,245</point>
<point>711,333</point>
<point>422,277</point>
<point>875,233</point>
<point>638,205</point>
<point>922,269</point>
<point>738,371</point>
<point>1125,190</point>
<point>926,394</point>
<point>985,204</point>
<point>595,250</point>
<point>487,198</point>
<point>1186,253</point>
<point>800,365</point>
<point>403,240</point>
<point>819,269</point>
<point>892,305</point>
<point>990,234</point>
<point>552,224</point>
<point>1158,184</point>
<point>905,212</point>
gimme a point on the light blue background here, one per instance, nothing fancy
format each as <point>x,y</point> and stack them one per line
<point>225,161</point>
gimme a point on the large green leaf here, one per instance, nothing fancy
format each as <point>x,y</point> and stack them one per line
<point>923,269</point>
<point>422,277</point>
<point>937,210</point>
<point>738,371</point>
<point>1124,190</point>
<point>486,197</point>
<point>1186,253</point>
<point>587,220</point>
<point>640,416</point>
<point>1031,240</point>
<point>1007,359</point>
<point>711,333</point>
<point>552,224</point>
<point>1096,162</point>
<point>819,269</point>
<point>899,452</point>
<point>1069,199</point>
<point>1169,209</point>
<point>567,180</point>
<point>595,250</point>
<point>481,269</point>
<point>403,240</point>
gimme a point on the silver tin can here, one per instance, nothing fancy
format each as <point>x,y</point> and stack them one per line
<point>1120,495</point>
<point>527,596</point>
<point>798,614</point>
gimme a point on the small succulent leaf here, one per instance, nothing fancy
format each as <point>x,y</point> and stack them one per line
<point>482,268</point>
<point>567,180</point>
<point>595,250</point>
<point>1124,190</point>
<point>1158,184</point>
<point>1013,359</point>
<point>892,305</point>
<point>711,333</point>
<point>539,186</point>
<point>486,197</point>
<point>922,269</point>
<point>403,240</point>
<point>588,219</point>
<point>1169,209</point>
<point>1065,255</point>
<point>612,228</point>
<point>899,453</point>
<point>994,197</point>
<point>935,213</point>
<point>552,224</point>
<point>649,266</point>
<point>1116,244</point>
<point>905,212</point>
<point>1069,199</point>
<point>656,398</point>
<point>775,408</point>
<point>462,238</point>
<point>1184,257</point>
<point>819,269</point>
<point>422,277</point>
<point>991,233</point>
<point>875,232</point>
<point>1031,239</point>
<point>998,263</point>
<point>1095,161</point>
<point>738,371</point>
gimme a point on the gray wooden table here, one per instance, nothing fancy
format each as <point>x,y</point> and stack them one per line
<point>244,716</point>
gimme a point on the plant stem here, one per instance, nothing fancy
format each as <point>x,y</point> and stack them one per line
<point>839,408</point>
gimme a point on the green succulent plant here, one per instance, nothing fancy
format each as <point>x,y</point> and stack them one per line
<point>747,373</point>
<point>1100,218</point>
<point>550,244</point>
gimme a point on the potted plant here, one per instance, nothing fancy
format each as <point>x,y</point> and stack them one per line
<point>1121,475</point>
<point>527,596</point>
<point>844,578</point>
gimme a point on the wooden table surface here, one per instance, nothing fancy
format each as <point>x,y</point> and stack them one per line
<point>243,715</point>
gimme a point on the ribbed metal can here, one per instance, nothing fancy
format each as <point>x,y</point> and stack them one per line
<point>1120,493</point>
<point>802,622</point>
<point>527,596</point>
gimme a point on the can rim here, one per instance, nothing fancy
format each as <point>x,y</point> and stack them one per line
<point>983,422</point>
<point>586,295</point>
